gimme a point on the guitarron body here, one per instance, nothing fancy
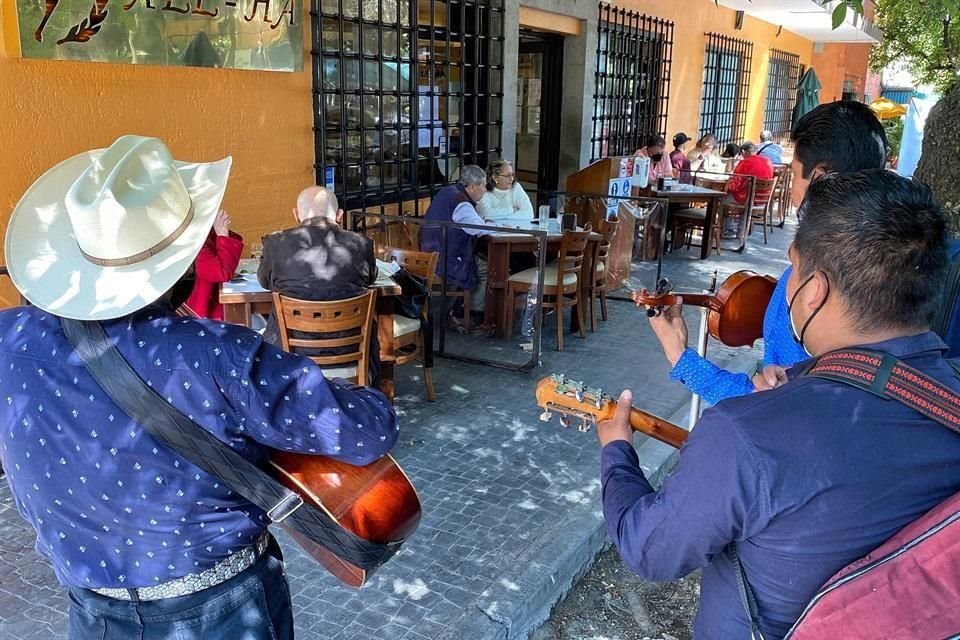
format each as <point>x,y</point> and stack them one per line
<point>376,502</point>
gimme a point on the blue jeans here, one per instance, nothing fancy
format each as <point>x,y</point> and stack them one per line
<point>253,605</point>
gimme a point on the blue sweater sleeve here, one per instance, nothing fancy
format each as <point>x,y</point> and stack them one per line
<point>707,380</point>
<point>714,384</point>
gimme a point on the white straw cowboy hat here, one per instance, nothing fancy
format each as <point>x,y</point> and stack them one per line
<point>108,232</point>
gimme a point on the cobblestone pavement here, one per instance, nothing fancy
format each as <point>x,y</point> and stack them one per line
<point>511,504</point>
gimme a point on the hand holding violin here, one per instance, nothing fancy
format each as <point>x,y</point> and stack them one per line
<point>771,377</point>
<point>668,325</point>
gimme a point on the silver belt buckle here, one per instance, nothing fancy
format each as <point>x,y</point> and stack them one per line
<point>282,510</point>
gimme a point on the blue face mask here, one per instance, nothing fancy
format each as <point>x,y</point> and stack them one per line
<point>798,336</point>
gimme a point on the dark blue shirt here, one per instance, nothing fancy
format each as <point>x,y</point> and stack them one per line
<point>114,508</point>
<point>714,384</point>
<point>806,478</point>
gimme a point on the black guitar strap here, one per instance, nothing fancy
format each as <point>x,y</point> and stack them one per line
<point>174,430</point>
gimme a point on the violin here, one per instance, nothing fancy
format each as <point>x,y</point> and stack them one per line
<point>735,312</point>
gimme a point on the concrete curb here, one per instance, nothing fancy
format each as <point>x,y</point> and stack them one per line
<point>569,554</point>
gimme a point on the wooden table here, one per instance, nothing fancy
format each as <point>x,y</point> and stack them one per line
<point>244,296</point>
<point>501,245</point>
<point>688,194</point>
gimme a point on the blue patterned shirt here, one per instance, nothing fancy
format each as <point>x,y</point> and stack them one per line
<point>714,384</point>
<point>114,508</point>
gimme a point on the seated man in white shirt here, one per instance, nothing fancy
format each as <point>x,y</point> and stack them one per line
<point>457,203</point>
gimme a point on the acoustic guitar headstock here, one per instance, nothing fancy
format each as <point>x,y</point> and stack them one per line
<point>572,399</point>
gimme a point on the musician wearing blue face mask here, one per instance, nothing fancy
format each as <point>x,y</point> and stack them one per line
<point>839,137</point>
<point>775,492</point>
<point>660,166</point>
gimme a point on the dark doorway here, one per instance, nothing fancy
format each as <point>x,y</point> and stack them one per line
<point>539,97</point>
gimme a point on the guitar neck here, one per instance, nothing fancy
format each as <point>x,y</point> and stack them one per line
<point>658,429</point>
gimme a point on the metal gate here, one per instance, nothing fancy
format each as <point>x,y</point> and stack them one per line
<point>726,87</point>
<point>405,93</point>
<point>634,55</point>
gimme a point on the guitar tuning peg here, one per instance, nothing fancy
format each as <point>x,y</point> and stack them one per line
<point>584,427</point>
<point>578,392</point>
<point>564,421</point>
<point>545,416</point>
<point>599,399</point>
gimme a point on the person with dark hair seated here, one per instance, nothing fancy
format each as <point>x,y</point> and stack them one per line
<point>839,137</point>
<point>679,160</point>
<point>659,161</point>
<point>730,156</point>
<point>775,492</point>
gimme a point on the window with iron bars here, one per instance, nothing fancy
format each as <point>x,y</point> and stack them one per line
<point>634,55</point>
<point>406,92</point>
<point>726,87</point>
<point>782,78</point>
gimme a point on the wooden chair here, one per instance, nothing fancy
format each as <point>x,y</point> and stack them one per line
<point>598,286</point>
<point>761,208</point>
<point>408,338</point>
<point>782,196</point>
<point>561,279</point>
<point>686,221</point>
<point>334,324</point>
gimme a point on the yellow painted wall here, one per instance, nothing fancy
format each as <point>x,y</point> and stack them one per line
<point>50,110</point>
<point>838,62</point>
<point>693,19</point>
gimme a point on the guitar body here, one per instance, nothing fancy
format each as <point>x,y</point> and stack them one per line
<point>735,312</point>
<point>743,299</point>
<point>376,502</point>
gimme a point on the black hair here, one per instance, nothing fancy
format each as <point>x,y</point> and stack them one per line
<point>656,141</point>
<point>843,136</point>
<point>731,151</point>
<point>881,240</point>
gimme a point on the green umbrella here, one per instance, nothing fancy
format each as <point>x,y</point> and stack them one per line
<point>808,95</point>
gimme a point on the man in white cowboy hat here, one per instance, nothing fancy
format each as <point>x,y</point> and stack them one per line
<point>110,235</point>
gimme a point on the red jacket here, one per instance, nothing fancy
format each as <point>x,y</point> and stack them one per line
<point>217,262</point>
<point>759,167</point>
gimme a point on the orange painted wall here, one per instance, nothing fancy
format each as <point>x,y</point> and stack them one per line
<point>693,20</point>
<point>54,109</point>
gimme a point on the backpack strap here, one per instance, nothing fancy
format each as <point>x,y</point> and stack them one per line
<point>887,377</point>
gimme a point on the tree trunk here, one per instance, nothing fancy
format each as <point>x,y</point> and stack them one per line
<point>939,166</point>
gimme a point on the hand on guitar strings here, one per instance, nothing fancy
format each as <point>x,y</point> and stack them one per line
<point>618,427</point>
<point>771,377</point>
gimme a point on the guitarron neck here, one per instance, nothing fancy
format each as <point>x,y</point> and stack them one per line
<point>658,429</point>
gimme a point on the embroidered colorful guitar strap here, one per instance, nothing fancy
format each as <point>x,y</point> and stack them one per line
<point>887,377</point>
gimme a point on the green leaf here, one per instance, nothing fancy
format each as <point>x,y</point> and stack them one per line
<point>858,6</point>
<point>839,14</point>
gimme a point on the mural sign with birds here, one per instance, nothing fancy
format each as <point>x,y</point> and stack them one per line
<point>236,34</point>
